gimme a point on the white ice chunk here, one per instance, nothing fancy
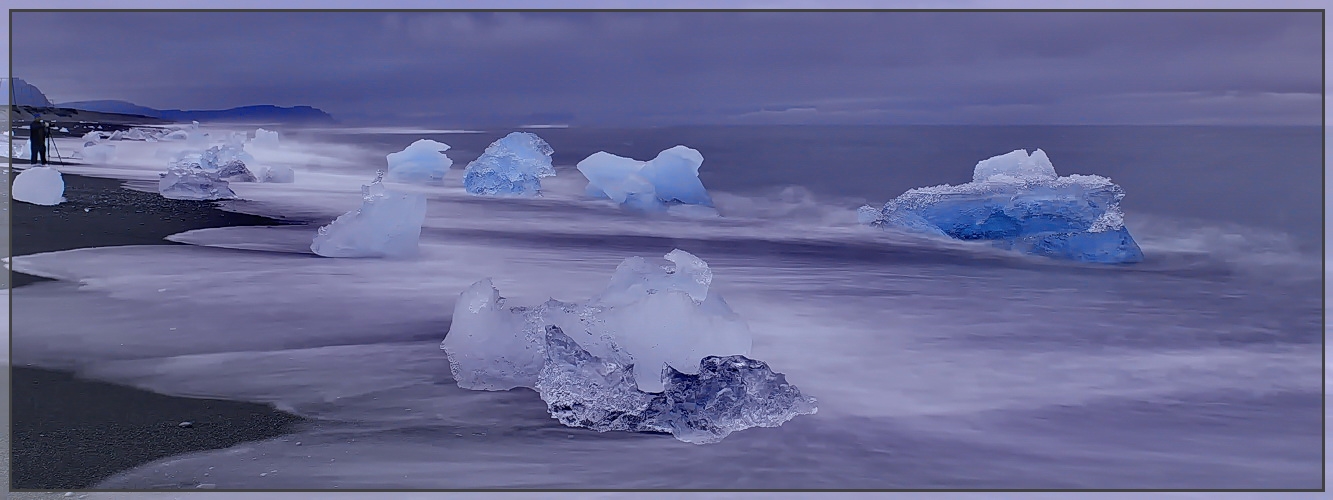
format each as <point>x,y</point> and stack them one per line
<point>606,174</point>
<point>39,186</point>
<point>423,161</point>
<point>388,224</point>
<point>21,150</point>
<point>490,346</point>
<point>675,175</point>
<point>265,139</point>
<point>98,153</point>
<point>667,181</point>
<point>1015,166</point>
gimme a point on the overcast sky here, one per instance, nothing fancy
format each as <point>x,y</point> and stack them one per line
<point>479,69</point>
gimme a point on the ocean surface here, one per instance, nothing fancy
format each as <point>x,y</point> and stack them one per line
<point>936,364</point>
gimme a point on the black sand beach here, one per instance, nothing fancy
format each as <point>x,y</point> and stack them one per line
<point>70,433</point>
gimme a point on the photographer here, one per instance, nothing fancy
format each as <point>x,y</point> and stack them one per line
<point>38,132</point>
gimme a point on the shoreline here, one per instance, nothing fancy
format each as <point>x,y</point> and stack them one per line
<point>70,433</point>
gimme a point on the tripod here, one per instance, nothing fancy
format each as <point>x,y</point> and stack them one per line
<point>51,146</point>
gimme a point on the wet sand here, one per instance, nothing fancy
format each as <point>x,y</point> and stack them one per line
<point>69,433</point>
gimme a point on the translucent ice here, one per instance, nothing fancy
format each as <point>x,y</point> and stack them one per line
<point>388,224</point>
<point>423,161</point>
<point>492,347</point>
<point>724,395</point>
<point>511,166</point>
<point>187,181</point>
<point>39,186</point>
<point>672,178</point>
<point>656,351</point>
<point>1018,202</point>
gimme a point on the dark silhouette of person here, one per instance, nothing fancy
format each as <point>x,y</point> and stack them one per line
<point>37,134</point>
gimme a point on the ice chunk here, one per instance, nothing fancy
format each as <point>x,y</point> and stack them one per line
<point>92,136</point>
<point>21,149</point>
<point>726,394</point>
<point>388,224</point>
<point>671,179</point>
<point>675,175</point>
<point>265,139</point>
<point>39,186</point>
<point>1015,166</point>
<point>423,161</point>
<point>64,130</point>
<point>187,181</point>
<point>492,347</point>
<point>658,350</point>
<point>98,153</point>
<point>235,171</point>
<point>178,135</point>
<point>1018,202</point>
<point>606,174</point>
<point>511,166</point>
<point>276,174</point>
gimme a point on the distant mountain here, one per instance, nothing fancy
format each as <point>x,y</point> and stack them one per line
<point>23,93</point>
<point>119,107</point>
<point>260,113</point>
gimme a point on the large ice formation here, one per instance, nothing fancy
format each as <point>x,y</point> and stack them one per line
<point>423,161</point>
<point>511,166</point>
<point>388,224</point>
<point>39,186</point>
<point>1018,202</point>
<point>658,350</point>
<point>672,178</point>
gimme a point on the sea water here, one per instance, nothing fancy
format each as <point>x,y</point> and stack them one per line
<point>937,364</point>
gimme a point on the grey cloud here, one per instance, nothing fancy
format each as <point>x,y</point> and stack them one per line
<point>644,68</point>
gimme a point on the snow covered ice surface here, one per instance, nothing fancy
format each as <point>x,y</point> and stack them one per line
<point>388,224</point>
<point>423,161</point>
<point>1018,202</point>
<point>654,352</point>
<point>671,179</point>
<point>39,186</point>
<point>514,165</point>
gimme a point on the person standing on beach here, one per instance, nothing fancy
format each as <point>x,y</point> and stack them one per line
<point>37,134</point>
